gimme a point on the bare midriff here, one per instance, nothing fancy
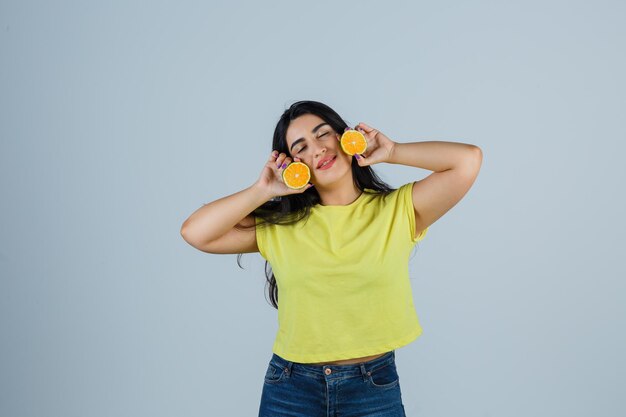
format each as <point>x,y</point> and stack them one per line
<point>349,361</point>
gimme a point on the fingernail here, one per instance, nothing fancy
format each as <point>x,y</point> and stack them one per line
<point>356,155</point>
<point>284,165</point>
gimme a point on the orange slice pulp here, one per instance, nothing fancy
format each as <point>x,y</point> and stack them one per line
<point>353,142</point>
<point>296,175</point>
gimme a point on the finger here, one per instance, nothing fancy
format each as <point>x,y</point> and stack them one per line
<point>273,156</point>
<point>361,160</point>
<point>280,159</point>
<point>365,127</point>
<point>286,163</point>
<point>358,129</point>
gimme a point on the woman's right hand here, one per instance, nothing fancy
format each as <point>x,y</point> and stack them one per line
<point>271,179</point>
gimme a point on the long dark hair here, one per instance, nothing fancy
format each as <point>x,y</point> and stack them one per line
<point>292,208</point>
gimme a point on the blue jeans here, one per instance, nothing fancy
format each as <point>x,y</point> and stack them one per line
<point>366,389</point>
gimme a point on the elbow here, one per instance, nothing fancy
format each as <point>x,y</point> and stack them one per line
<point>187,237</point>
<point>475,150</point>
<point>183,229</point>
<point>477,155</point>
<point>471,163</point>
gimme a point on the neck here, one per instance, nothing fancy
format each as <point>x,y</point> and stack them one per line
<point>339,194</point>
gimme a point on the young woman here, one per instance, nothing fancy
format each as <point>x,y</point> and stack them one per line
<point>339,250</point>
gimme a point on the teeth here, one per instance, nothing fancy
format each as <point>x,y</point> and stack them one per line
<point>326,163</point>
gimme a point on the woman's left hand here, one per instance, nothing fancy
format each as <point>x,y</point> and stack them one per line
<point>379,146</point>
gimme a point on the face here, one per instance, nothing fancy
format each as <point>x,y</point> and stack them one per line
<point>311,139</point>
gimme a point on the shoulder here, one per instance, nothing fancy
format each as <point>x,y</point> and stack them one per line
<point>394,194</point>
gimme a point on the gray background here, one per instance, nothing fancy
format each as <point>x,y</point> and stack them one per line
<point>117,121</point>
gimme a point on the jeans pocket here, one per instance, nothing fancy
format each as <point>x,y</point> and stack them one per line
<point>274,373</point>
<point>384,377</point>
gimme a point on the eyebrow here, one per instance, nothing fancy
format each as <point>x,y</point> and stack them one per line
<point>315,129</point>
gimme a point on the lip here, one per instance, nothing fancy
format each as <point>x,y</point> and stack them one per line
<point>334,158</point>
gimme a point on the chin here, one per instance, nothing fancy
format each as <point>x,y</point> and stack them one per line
<point>339,171</point>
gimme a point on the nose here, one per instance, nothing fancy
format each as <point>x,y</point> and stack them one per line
<point>320,149</point>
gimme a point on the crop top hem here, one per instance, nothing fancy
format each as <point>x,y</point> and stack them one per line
<point>354,353</point>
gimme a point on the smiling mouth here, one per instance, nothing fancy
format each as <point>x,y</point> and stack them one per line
<point>327,162</point>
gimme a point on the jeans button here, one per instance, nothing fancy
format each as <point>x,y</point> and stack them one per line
<point>327,371</point>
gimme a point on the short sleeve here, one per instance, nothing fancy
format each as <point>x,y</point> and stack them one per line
<point>406,199</point>
<point>260,236</point>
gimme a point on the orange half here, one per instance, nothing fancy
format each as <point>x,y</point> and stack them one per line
<point>296,175</point>
<point>353,142</point>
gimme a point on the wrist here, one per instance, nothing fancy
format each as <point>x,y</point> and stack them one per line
<point>392,159</point>
<point>261,193</point>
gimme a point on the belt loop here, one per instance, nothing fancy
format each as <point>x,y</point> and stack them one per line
<point>289,367</point>
<point>363,371</point>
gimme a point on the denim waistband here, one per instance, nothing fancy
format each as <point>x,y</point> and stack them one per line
<point>334,371</point>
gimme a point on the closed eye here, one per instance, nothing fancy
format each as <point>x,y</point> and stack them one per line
<point>304,147</point>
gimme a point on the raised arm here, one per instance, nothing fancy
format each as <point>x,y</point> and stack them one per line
<point>456,167</point>
<point>211,228</point>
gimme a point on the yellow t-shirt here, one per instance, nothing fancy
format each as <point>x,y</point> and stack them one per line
<point>343,278</point>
